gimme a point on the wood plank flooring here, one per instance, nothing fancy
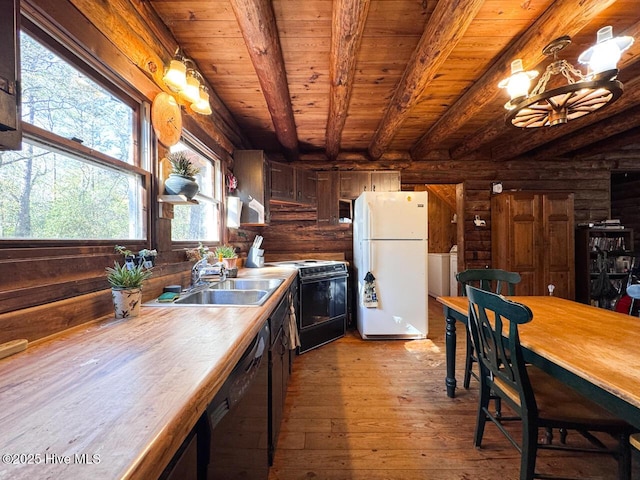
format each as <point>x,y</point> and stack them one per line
<point>373,410</point>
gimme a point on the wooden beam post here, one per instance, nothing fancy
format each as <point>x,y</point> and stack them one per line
<point>349,17</point>
<point>258,26</point>
<point>443,31</point>
<point>564,17</point>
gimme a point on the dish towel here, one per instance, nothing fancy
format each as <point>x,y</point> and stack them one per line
<point>291,327</point>
<point>370,297</point>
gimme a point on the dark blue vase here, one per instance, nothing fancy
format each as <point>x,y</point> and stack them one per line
<point>181,185</point>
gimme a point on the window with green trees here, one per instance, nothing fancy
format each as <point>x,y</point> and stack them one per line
<point>202,221</point>
<point>78,175</point>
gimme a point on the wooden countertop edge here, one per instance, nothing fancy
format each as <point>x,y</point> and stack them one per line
<point>151,458</point>
<point>153,461</point>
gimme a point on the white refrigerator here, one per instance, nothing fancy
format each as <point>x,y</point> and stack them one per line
<point>390,242</point>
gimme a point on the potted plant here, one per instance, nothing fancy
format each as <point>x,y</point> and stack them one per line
<point>126,288</point>
<point>227,255</point>
<point>147,257</point>
<point>182,180</point>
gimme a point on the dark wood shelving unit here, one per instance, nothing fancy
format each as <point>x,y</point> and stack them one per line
<point>615,246</point>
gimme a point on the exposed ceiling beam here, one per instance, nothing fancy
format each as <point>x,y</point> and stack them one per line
<point>530,139</point>
<point>563,17</point>
<point>258,26</point>
<point>497,129</point>
<point>627,142</point>
<point>349,17</point>
<point>443,31</point>
<point>609,127</point>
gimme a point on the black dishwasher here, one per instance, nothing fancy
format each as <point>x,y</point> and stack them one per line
<point>238,418</point>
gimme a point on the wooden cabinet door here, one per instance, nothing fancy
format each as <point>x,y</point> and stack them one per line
<point>306,184</point>
<point>352,184</point>
<point>282,182</point>
<point>328,201</point>
<point>385,181</point>
<point>558,249</point>
<point>525,242</point>
<point>533,234</point>
<point>10,121</point>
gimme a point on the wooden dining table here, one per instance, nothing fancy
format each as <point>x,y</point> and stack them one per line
<point>593,350</point>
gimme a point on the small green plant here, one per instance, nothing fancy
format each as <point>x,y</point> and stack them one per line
<point>225,251</point>
<point>123,251</point>
<point>181,164</point>
<point>145,252</point>
<point>124,276</point>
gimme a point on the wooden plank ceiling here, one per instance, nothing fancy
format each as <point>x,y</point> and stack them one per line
<point>398,78</point>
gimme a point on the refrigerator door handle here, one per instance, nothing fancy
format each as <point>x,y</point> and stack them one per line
<point>369,248</point>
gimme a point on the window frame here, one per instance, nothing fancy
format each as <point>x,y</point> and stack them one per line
<point>75,55</point>
<point>218,191</point>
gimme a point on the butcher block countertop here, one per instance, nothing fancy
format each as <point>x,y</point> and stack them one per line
<point>114,399</point>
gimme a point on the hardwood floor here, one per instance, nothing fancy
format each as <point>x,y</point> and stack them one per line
<point>373,410</point>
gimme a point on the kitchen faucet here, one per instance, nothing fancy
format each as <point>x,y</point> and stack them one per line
<point>200,268</point>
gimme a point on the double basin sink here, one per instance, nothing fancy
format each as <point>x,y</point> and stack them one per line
<point>242,292</point>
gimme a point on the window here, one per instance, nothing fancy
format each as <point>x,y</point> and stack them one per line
<point>199,222</point>
<point>78,175</point>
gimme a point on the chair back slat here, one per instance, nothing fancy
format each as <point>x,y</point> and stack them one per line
<point>490,280</point>
<point>493,322</point>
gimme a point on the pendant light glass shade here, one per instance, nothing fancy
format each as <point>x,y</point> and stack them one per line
<point>202,106</point>
<point>176,75</point>
<point>191,93</point>
<point>605,54</point>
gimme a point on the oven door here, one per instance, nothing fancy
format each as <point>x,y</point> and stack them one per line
<point>322,299</point>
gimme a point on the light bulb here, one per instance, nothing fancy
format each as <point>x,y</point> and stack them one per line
<point>519,82</point>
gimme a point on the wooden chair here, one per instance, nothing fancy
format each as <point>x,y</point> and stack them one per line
<point>539,400</point>
<point>492,280</point>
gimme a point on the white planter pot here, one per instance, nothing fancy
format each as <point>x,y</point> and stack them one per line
<point>126,302</point>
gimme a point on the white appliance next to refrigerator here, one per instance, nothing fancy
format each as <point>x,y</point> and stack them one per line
<point>390,241</point>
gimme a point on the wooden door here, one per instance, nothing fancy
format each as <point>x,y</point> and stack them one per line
<point>558,250</point>
<point>282,182</point>
<point>525,242</point>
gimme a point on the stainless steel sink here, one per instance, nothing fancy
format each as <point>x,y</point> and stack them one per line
<point>248,284</point>
<point>237,292</point>
<point>224,297</point>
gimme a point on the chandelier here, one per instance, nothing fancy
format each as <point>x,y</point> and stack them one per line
<point>579,96</point>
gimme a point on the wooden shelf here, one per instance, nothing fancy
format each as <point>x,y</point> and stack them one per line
<point>177,200</point>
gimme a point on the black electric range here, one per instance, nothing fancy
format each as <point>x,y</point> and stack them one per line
<point>322,301</point>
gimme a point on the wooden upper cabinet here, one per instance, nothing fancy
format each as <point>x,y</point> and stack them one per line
<point>10,122</point>
<point>306,184</point>
<point>292,185</point>
<point>328,200</point>
<point>250,167</point>
<point>282,182</point>
<point>388,181</point>
<point>353,183</point>
<point>533,234</point>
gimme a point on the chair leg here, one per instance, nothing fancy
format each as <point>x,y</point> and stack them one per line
<point>529,451</point>
<point>483,406</point>
<point>468,364</point>
<point>624,457</point>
